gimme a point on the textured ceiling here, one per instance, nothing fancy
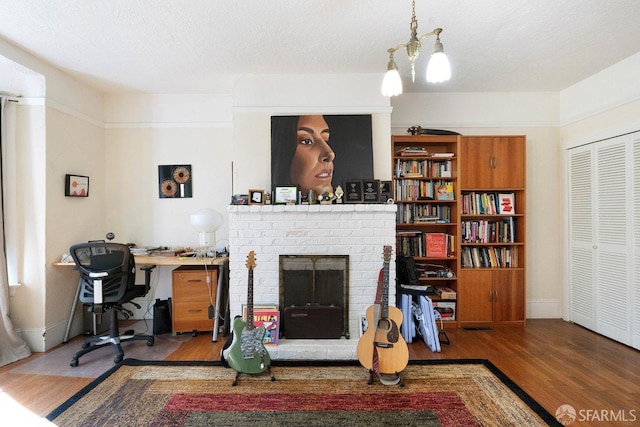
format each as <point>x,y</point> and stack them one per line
<point>195,46</point>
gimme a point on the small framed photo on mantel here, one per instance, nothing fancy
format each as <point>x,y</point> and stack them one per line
<point>353,191</point>
<point>256,197</point>
<point>285,195</point>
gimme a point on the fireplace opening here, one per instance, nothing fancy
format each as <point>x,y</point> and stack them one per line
<point>314,296</point>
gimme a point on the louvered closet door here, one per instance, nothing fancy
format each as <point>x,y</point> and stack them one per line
<point>582,284</point>
<point>635,282</point>
<point>613,227</point>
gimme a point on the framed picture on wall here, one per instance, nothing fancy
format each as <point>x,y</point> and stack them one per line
<point>320,151</point>
<point>175,181</point>
<point>76,186</point>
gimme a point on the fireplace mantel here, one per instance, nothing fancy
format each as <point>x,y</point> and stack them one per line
<point>358,230</point>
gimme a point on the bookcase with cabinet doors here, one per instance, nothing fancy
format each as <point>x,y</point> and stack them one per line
<point>491,276</point>
<point>426,192</point>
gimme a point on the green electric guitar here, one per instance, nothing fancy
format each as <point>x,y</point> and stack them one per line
<point>247,353</point>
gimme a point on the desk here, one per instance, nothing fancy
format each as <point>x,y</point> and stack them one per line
<point>161,261</point>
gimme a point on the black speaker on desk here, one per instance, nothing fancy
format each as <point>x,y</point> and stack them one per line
<point>162,316</point>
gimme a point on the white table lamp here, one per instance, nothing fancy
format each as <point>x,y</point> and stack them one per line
<point>206,221</point>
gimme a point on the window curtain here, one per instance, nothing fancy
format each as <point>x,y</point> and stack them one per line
<point>12,346</point>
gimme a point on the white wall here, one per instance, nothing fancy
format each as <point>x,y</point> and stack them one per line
<point>57,118</point>
<point>135,133</point>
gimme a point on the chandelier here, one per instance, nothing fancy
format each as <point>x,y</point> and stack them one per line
<point>438,69</point>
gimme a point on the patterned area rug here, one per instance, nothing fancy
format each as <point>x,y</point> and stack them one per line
<point>435,393</point>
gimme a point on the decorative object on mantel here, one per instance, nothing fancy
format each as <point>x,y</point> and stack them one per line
<point>326,198</point>
<point>175,181</point>
<point>354,191</point>
<point>256,197</point>
<point>339,193</point>
<point>240,199</point>
<point>438,69</point>
<point>76,186</point>
<point>371,191</point>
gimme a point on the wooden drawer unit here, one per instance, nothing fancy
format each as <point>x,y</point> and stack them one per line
<point>193,297</point>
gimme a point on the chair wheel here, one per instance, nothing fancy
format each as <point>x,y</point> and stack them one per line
<point>150,341</point>
<point>86,345</point>
<point>118,359</point>
<point>73,363</point>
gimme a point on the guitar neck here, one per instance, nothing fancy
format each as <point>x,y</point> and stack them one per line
<point>249,321</point>
<point>384,303</point>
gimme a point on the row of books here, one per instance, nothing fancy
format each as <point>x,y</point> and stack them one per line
<point>419,244</point>
<point>489,257</point>
<point>422,168</point>
<point>488,203</point>
<point>483,231</point>
<point>419,213</point>
<point>413,189</point>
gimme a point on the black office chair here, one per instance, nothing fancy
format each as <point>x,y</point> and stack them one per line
<point>108,272</point>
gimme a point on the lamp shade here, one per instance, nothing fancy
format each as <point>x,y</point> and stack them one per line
<point>392,83</point>
<point>206,221</point>
<point>438,69</point>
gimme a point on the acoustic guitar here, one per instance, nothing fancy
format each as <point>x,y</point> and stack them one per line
<point>247,353</point>
<point>383,337</point>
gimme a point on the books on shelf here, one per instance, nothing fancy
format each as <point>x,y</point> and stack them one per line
<point>418,189</point>
<point>484,231</point>
<point>410,243</point>
<point>423,213</point>
<point>439,245</point>
<point>413,151</point>
<point>489,257</point>
<point>413,168</point>
<point>421,151</point>
<point>269,317</point>
<point>475,203</point>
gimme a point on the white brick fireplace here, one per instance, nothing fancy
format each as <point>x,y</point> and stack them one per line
<point>358,230</point>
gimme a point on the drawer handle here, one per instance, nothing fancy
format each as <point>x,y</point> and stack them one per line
<point>194,311</point>
<point>194,280</point>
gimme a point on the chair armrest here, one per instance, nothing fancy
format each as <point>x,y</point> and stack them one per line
<point>147,267</point>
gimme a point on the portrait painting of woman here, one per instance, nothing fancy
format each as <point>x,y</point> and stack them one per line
<point>318,152</point>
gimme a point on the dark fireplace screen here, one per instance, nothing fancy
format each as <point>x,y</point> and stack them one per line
<point>314,296</point>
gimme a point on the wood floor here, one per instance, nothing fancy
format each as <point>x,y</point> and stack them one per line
<point>555,362</point>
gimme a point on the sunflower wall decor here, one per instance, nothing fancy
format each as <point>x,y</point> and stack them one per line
<point>175,181</point>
